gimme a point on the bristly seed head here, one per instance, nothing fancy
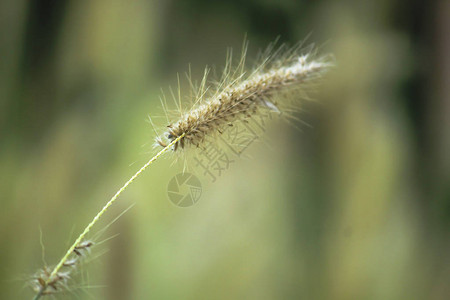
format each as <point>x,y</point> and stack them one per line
<point>239,96</point>
<point>47,284</point>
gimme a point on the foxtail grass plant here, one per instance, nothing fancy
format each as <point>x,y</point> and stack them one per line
<point>277,84</point>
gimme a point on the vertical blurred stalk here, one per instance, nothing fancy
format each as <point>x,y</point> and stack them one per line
<point>439,112</point>
<point>12,16</point>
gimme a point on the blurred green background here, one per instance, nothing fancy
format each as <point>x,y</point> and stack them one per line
<point>357,206</point>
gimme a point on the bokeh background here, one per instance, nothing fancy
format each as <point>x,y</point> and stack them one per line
<point>356,206</point>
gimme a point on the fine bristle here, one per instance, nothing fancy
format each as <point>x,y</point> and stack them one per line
<point>239,96</point>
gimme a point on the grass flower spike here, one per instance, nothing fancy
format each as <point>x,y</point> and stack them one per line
<point>240,96</point>
<point>276,84</point>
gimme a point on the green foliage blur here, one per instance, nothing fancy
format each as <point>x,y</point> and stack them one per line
<point>354,206</point>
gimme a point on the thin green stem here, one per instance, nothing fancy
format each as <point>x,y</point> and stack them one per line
<point>99,214</point>
<point>39,294</point>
